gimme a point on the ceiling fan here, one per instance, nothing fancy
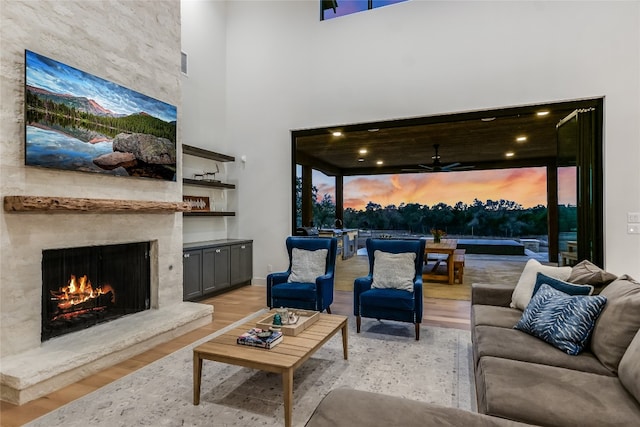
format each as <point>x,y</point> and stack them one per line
<point>437,166</point>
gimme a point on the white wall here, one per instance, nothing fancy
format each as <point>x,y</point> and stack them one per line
<point>287,70</point>
<point>204,109</point>
<point>128,43</point>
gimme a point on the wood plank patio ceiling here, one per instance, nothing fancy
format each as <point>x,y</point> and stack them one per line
<point>467,138</point>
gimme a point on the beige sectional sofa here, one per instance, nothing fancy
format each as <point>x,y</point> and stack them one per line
<point>520,377</point>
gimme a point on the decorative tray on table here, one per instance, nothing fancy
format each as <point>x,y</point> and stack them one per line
<point>304,319</point>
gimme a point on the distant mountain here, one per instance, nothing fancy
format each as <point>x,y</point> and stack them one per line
<point>80,103</point>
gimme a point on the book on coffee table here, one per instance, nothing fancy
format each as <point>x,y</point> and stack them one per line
<point>256,337</point>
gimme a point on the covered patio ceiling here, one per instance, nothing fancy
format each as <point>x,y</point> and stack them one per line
<point>475,140</point>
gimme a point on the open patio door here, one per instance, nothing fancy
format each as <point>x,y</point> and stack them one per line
<point>580,187</point>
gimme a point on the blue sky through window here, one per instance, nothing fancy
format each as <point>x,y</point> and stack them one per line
<point>347,7</point>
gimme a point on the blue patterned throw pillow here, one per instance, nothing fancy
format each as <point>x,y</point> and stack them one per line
<point>562,320</point>
<point>562,286</point>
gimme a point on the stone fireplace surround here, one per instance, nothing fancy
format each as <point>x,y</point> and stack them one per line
<point>119,52</point>
<point>30,369</point>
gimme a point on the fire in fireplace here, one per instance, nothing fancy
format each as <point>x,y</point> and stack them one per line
<point>79,297</point>
<point>85,286</point>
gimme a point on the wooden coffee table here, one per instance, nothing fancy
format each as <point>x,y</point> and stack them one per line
<point>284,359</point>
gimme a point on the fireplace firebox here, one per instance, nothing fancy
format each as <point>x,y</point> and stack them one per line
<point>84,286</point>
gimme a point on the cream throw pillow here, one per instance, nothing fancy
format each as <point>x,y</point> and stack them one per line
<point>394,271</point>
<point>524,289</point>
<point>306,266</point>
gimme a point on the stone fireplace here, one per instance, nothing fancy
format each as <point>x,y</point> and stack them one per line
<point>46,244</point>
<point>93,209</point>
<point>85,286</point>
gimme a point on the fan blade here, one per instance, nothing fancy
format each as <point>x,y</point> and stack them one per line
<point>421,168</point>
<point>451,166</point>
<point>462,168</point>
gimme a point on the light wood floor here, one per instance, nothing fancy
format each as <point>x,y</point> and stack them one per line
<point>229,308</point>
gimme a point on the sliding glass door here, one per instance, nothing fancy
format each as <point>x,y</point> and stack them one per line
<point>579,180</point>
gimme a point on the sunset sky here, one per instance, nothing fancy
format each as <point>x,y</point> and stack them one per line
<point>526,186</point>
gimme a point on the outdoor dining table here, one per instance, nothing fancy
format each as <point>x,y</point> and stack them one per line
<point>445,246</point>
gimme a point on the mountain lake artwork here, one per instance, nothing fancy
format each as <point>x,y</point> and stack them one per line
<point>80,122</point>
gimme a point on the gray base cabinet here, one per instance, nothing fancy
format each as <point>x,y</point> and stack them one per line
<point>192,273</point>
<point>215,269</point>
<point>215,266</point>
<point>241,263</point>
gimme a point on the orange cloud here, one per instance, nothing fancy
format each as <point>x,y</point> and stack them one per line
<point>526,186</point>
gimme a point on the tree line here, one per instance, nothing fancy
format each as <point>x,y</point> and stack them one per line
<point>497,218</point>
<point>41,109</point>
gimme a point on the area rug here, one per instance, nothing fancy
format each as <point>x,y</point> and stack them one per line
<point>383,358</point>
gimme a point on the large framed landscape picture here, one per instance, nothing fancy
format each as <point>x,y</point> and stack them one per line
<point>80,122</point>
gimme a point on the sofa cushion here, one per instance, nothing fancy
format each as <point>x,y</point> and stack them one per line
<point>629,368</point>
<point>517,345</point>
<point>344,407</point>
<point>562,286</point>
<point>587,273</point>
<point>618,323</point>
<point>306,266</point>
<point>394,271</point>
<point>492,293</point>
<point>492,315</point>
<point>524,289</point>
<point>562,320</point>
<point>552,396</point>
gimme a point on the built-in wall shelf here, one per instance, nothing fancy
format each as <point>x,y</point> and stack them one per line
<point>208,213</point>
<point>206,154</point>
<point>209,155</point>
<point>204,183</point>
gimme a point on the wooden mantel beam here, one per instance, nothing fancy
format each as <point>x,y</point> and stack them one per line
<point>82,205</point>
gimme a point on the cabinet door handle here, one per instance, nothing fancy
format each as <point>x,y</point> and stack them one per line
<point>187,255</point>
<point>217,251</point>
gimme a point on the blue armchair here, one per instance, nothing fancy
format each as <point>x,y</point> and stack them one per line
<point>390,304</point>
<point>312,295</point>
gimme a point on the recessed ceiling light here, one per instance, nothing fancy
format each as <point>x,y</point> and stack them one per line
<point>363,151</point>
<point>379,162</point>
<point>521,138</point>
<point>509,154</point>
<point>337,133</point>
<point>542,113</point>
<point>361,159</point>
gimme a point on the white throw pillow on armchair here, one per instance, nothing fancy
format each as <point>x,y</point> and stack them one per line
<point>394,271</point>
<point>307,266</point>
<point>524,289</point>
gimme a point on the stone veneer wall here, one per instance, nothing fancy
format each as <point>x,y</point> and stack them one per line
<point>133,43</point>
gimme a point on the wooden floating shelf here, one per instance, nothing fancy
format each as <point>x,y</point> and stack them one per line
<point>213,184</point>
<point>83,205</point>
<point>208,213</point>
<point>211,155</point>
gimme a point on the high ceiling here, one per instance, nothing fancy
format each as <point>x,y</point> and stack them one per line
<point>480,139</point>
